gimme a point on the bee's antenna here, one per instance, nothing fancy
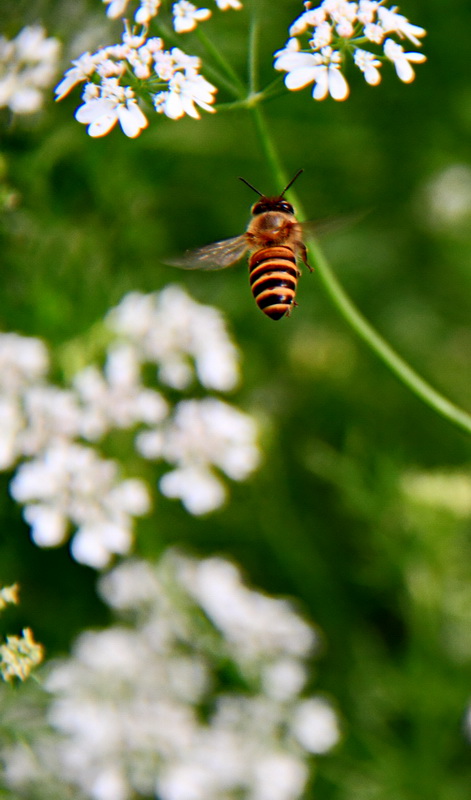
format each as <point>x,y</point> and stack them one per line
<point>291,182</point>
<point>252,187</point>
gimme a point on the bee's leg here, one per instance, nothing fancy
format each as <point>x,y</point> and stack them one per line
<point>303,251</point>
<point>290,309</point>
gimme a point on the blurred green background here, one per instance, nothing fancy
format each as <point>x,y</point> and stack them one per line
<point>336,516</point>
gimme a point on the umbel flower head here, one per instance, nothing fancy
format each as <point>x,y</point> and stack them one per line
<point>323,38</point>
<point>51,434</point>
<point>142,709</point>
<point>139,66</point>
<point>28,66</point>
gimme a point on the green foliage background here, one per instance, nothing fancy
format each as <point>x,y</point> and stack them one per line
<point>325,520</point>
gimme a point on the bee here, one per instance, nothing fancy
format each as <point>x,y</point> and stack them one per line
<point>274,241</point>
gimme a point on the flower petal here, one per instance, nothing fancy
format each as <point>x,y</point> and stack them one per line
<point>301,77</point>
<point>132,120</point>
<point>102,125</point>
<point>338,86</point>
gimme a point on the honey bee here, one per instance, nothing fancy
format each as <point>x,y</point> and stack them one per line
<point>274,240</point>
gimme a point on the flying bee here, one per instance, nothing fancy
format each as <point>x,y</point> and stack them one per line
<point>274,241</point>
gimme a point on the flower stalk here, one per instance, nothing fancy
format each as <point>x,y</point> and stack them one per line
<point>347,309</point>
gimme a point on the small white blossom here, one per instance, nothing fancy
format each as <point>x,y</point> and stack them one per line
<point>182,337</point>
<point>82,69</point>
<point>368,64</point>
<point>309,19</point>
<point>23,361</point>
<point>28,65</point>
<point>115,398</point>
<point>146,11</point>
<point>114,103</point>
<point>183,95</point>
<point>322,69</point>
<point>198,489</point>
<point>69,483</point>
<point>186,16</point>
<point>374,33</point>
<point>391,22</point>
<point>367,10</point>
<point>202,434</point>
<point>402,61</point>
<point>225,5</point>
<point>322,35</point>
<point>115,7</point>
<point>315,725</point>
<point>255,626</point>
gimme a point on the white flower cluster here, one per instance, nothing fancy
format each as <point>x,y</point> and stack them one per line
<point>48,432</point>
<point>170,79</point>
<point>141,710</point>
<point>183,338</point>
<point>139,65</point>
<point>185,14</point>
<point>28,65</point>
<point>336,29</point>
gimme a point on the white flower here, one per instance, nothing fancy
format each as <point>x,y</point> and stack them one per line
<point>23,360</point>
<point>207,432</point>
<point>178,732</point>
<point>401,60</point>
<point>201,435</point>
<point>391,22</point>
<point>333,22</point>
<point>186,16</point>
<point>50,414</point>
<point>12,423</point>
<point>225,5</point>
<point>315,725</point>
<point>114,103</point>
<point>70,483</point>
<point>374,33</point>
<point>116,398</point>
<point>82,69</point>
<point>115,7</point>
<point>308,19</point>
<point>28,65</point>
<point>322,69</point>
<point>368,64</point>
<point>255,626</point>
<point>173,331</point>
<point>198,489</point>
<point>146,11</point>
<point>185,92</point>
<point>322,35</point>
<point>367,10</point>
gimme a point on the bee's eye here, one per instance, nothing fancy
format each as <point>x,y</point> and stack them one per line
<point>287,207</point>
<point>260,208</point>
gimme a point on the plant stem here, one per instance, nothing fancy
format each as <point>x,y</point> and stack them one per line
<point>350,312</point>
<point>222,62</point>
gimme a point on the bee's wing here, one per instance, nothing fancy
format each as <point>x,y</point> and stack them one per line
<point>218,255</point>
<point>322,227</point>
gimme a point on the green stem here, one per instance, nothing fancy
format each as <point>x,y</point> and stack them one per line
<point>231,83</point>
<point>350,312</point>
<point>222,62</point>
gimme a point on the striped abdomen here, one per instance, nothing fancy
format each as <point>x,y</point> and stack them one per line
<point>273,278</point>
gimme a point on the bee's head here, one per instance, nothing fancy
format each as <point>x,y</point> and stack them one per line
<point>272,204</point>
<point>277,203</point>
